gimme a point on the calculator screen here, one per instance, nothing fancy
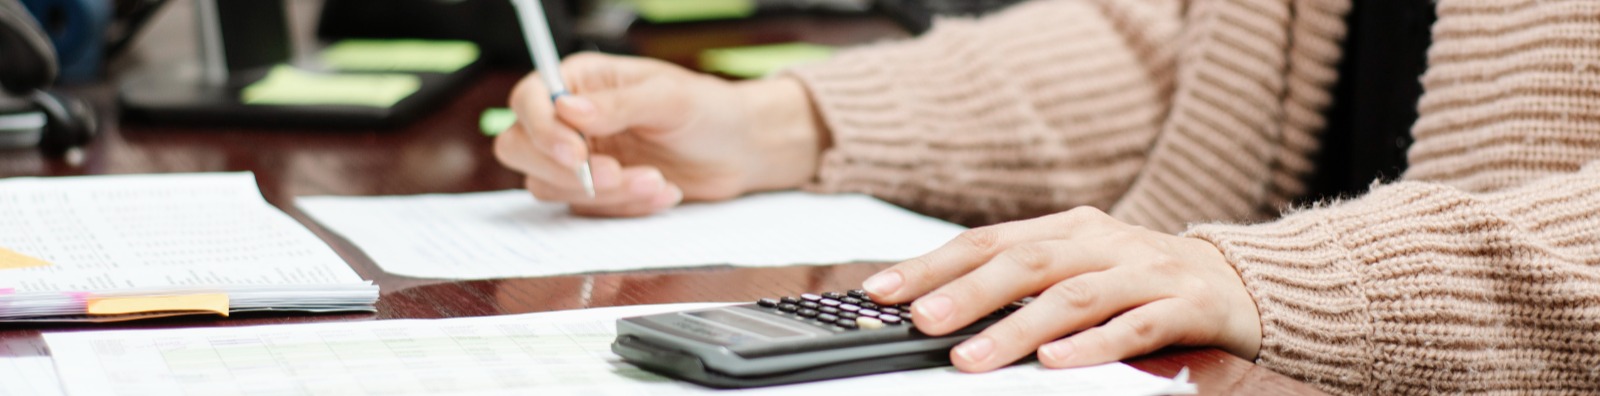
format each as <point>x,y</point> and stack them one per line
<point>746,323</point>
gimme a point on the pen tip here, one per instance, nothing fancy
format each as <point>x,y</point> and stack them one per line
<point>587,178</point>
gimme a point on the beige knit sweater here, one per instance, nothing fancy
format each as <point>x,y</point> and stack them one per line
<point>1479,271</point>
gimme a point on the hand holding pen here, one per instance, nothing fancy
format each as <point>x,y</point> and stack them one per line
<point>656,135</point>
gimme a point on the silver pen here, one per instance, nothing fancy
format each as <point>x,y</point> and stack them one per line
<point>536,29</point>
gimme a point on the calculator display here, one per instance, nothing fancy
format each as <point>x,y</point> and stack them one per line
<point>747,324</point>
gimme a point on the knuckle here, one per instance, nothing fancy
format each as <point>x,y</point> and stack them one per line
<point>1138,325</point>
<point>1072,294</point>
<point>1032,257</point>
<point>981,239</point>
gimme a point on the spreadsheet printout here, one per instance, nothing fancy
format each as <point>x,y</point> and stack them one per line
<point>556,353</point>
<point>508,234</point>
<point>103,233</point>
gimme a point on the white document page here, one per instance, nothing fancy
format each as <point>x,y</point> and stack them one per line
<point>156,231</point>
<point>507,234</point>
<point>560,353</point>
<point>28,376</point>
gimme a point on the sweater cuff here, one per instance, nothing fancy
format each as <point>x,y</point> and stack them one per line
<point>1312,275</point>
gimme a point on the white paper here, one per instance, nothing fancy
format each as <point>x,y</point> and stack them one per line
<point>28,376</point>
<point>558,353</point>
<point>179,232</point>
<point>507,234</point>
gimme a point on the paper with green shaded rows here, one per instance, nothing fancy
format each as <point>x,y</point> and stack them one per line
<point>371,55</point>
<point>761,60</point>
<point>670,11</point>
<point>286,85</point>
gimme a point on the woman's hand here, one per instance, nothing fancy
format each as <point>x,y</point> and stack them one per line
<point>1118,290</point>
<point>658,134</point>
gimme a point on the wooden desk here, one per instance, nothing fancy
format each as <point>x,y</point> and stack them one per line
<point>444,153</point>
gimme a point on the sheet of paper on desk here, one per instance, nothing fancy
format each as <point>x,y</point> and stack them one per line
<point>506,234</point>
<point>114,237</point>
<point>559,353</point>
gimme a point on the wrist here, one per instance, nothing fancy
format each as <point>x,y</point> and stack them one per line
<point>787,134</point>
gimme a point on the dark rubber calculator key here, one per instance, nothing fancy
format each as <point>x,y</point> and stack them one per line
<point>809,304</point>
<point>831,303</point>
<point>807,312</point>
<point>890,310</point>
<point>858,293</point>
<point>789,300</point>
<point>846,323</point>
<point>890,319</point>
<point>851,300</point>
<point>849,315</point>
<point>849,307</point>
<point>767,302</point>
<point>868,305</point>
<point>867,312</point>
<point>827,317</point>
<point>833,295</point>
<point>810,297</point>
<point>788,307</point>
<point>830,310</point>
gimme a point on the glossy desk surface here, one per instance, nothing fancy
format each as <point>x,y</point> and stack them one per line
<point>443,152</point>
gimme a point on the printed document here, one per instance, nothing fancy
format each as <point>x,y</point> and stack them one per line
<point>558,353</point>
<point>69,243</point>
<point>508,234</point>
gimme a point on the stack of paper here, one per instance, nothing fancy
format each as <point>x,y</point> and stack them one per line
<point>558,353</point>
<point>126,247</point>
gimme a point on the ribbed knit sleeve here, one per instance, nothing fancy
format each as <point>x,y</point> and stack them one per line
<point>1164,112</point>
<point>1037,109</point>
<point>1480,271</point>
<point>1424,288</point>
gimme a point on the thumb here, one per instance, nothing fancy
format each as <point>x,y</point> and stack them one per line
<point>651,104</point>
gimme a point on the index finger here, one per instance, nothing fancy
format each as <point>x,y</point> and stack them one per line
<point>911,279</point>
<point>530,101</point>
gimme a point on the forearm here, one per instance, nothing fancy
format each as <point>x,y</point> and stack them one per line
<point>1425,288</point>
<point>786,131</point>
<point>1039,109</point>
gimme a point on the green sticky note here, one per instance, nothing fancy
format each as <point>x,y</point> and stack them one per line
<point>436,56</point>
<point>761,60</point>
<point>286,85</point>
<point>495,120</point>
<point>669,11</point>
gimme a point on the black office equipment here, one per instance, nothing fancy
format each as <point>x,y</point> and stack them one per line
<point>29,115</point>
<point>492,24</point>
<point>787,340</point>
<point>240,41</point>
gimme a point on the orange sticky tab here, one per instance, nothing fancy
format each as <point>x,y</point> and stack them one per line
<point>217,303</point>
<point>12,260</point>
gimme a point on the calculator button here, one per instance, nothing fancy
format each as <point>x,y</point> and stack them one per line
<point>890,310</point>
<point>869,323</point>
<point>807,312</point>
<point>868,305</point>
<point>846,323</point>
<point>810,297</point>
<point>848,315</point>
<point>890,319</point>
<point>767,302</point>
<point>849,307</point>
<point>858,293</point>
<point>833,295</point>
<point>789,300</point>
<point>809,304</point>
<point>905,315</point>
<point>851,300</point>
<point>788,307</point>
<point>867,312</point>
<point>831,303</point>
<point>827,317</point>
<point>830,310</point>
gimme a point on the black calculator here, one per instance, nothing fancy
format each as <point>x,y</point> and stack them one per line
<point>787,340</point>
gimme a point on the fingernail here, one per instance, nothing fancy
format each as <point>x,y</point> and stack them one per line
<point>935,308</point>
<point>1056,352</point>
<point>672,197</point>
<point>645,185</point>
<point>577,106</point>
<point>975,350</point>
<point>882,284</point>
<point>563,154</point>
